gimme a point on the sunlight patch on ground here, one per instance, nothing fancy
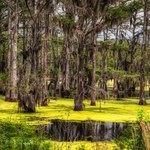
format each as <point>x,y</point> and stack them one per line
<point>87,145</point>
<point>111,111</point>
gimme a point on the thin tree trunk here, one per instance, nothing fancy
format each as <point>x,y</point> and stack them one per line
<point>115,88</point>
<point>66,66</point>
<point>116,63</point>
<point>142,100</point>
<point>93,55</point>
<point>7,95</point>
<point>104,70</point>
<point>93,85</point>
<point>11,94</point>
<point>45,59</point>
<point>14,40</point>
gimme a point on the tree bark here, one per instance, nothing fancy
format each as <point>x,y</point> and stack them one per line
<point>66,66</point>
<point>93,85</point>
<point>14,39</point>
<point>45,58</point>
<point>142,100</point>
<point>11,94</point>
<point>93,55</point>
<point>104,69</point>
<point>78,100</point>
<point>7,95</point>
<point>115,87</point>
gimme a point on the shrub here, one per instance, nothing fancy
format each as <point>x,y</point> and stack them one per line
<point>21,137</point>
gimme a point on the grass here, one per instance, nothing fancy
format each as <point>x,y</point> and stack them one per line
<point>124,110</point>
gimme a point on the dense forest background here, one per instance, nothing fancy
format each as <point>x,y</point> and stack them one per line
<point>73,49</point>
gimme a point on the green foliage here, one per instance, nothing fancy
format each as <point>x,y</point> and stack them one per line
<point>21,137</point>
<point>98,71</point>
<point>132,76</point>
<point>3,77</point>
<point>2,6</point>
<point>123,74</point>
<point>131,139</point>
<point>118,72</point>
<point>135,6</point>
<point>67,21</point>
<point>110,64</point>
<point>141,114</point>
<point>105,44</point>
<point>122,47</point>
<point>123,11</point>
<point>57,41</point>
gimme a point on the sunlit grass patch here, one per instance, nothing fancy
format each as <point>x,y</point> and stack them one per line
<point>124,110</point>
<point>80,145</point>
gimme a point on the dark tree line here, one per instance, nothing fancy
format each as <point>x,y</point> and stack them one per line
<point>73,48</point>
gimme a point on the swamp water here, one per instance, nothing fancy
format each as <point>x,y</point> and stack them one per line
<point>83,131</point>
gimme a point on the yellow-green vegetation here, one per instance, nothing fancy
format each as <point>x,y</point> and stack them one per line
<point>84,145</point>
<point>124,110</point>
<point>20,135</point>
<point>110,83</point>
<point>146,88</point>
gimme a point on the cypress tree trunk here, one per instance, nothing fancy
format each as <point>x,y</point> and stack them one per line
<point>68,30</point>
<point>14,40</point>
<point>29,81</point>
<point>7,95</point>
<point>66,66</point>
<point>104,69</point>
<point>105,52</point>
<point>45,58</point>
<point>78,100</point>
<point>93,85</point>
<point>93,55</point>
<point>11,94</point>
<point>142,100</point>
<point>115,87</point>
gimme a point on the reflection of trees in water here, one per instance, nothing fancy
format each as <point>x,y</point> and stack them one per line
<point>85,131</point>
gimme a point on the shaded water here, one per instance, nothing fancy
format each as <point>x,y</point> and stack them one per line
<point>86,131</point>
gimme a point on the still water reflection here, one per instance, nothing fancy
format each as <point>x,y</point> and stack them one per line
<point>86,131</point>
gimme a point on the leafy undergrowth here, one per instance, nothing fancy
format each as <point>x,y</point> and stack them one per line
<point>21,136</point>
<point>124,110</point>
